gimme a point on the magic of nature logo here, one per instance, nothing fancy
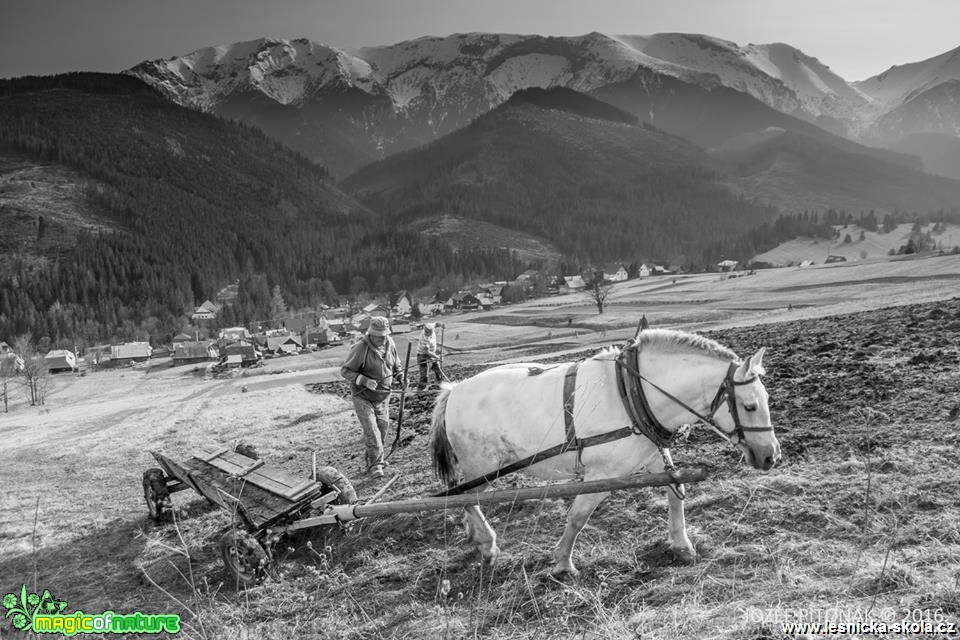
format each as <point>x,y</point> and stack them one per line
<point>43,613</point>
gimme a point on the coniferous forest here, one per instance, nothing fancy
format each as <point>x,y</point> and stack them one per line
<point>190,203</point>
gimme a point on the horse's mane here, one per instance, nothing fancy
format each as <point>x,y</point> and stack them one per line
<point>675,341</point>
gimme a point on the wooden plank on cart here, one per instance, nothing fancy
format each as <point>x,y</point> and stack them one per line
<point>258,473</point>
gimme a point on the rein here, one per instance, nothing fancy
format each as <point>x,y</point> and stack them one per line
<point>724,393</point>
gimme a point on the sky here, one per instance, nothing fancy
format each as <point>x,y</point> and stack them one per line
<point>855,38</point>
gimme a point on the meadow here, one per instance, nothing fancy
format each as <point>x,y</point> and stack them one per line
<point>860,521</point>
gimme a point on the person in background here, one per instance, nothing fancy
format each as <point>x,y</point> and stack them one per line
<point>428,357</point>
<point>371,366</point>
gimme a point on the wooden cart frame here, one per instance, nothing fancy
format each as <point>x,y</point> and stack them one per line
<point>270,503</point>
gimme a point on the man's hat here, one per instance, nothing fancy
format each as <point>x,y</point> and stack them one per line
<point>379,326</point>
<point>429,326</point>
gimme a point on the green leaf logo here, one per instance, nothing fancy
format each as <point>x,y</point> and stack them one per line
<point>24,606</point>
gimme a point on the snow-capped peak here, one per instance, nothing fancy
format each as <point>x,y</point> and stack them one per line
<point>283,70</point>
<point>899,83</point>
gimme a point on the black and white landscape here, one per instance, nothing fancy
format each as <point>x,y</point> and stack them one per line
<point>190,244</point>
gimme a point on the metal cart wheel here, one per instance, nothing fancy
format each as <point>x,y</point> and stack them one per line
<point>156,493</point>
<point>244,557</point>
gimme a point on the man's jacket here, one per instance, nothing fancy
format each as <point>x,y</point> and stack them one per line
<point>380,365</point>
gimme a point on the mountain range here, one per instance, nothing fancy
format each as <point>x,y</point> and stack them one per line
<point>309,172</point>
<point>346,108</point>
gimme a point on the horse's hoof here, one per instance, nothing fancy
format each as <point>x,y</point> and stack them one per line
<point>565,572</point>
<point>685,555</point>
<point>490,554</point>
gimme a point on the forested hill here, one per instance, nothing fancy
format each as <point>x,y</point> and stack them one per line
<point>190,203</point>
<point>575,171</point>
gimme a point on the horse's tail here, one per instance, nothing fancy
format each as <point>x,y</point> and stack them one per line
<point>444,459</point>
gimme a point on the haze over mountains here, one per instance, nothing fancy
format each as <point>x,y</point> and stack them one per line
<point>346,108</point>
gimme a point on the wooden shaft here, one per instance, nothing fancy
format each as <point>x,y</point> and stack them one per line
<point>570,489</point>
<point>403,394</point>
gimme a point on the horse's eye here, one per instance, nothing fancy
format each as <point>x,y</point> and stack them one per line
<point>750,407</point>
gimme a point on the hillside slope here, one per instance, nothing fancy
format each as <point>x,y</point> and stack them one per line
<point>795,172</point>
<point>572,170</point>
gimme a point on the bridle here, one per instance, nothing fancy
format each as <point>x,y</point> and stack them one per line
<point>725,394</point>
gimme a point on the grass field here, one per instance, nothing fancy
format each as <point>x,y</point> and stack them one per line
<point>861,518</point>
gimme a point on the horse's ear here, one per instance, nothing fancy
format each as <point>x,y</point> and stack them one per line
<point>756,363</point>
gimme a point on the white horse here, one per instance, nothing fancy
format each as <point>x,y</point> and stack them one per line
<point>508,413</point>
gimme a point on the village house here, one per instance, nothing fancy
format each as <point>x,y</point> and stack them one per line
<point>130,352</point>
<point>60,360</point>
<point>486,302</point>
<point>243,353</point>
<point>289,344</point>
<point>187,352</point>
<point>727,265</point>
<point>206,311</point>
<point>234,333</point>
<point>452,303</point>
<point>318,337</point>
<point>469,302</point>
<point>9,358</point>
<point>615,272</point>
<point>574,283</point>
<point>495,291</point>
<point>182,337</point>
<point>376,309</point>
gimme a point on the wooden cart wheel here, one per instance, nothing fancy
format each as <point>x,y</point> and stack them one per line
<point>156,493</point>
<point>330,477</point>
<point>244,557</point>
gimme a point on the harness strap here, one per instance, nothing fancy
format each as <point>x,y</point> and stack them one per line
<point>581,443</point>
<point>637,406</point>
<point>569,390</point>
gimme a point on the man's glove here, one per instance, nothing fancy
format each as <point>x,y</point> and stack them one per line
<point>369,383</point>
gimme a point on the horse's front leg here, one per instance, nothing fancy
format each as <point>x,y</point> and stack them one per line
<point>680,543</point>
<point>583,506</point>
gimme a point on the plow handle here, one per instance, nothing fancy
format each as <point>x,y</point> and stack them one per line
<point>403,394</point>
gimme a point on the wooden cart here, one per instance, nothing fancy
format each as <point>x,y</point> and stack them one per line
<point>270,503</point>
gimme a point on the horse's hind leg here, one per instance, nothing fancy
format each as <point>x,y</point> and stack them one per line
<point>577,516</point>
<point>481,533</point>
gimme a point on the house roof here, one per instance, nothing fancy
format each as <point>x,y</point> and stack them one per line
<point>131,350</point>
<point>182,337</point>
<point>275,341</point>
<point>59,353</point>
<point>209,307</point>
<point>191,350</point>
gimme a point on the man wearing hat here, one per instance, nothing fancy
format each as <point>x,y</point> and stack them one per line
<point>371,367</point>
<point>427,355</point>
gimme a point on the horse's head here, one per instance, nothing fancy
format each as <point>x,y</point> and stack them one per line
<point>748,416</point>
